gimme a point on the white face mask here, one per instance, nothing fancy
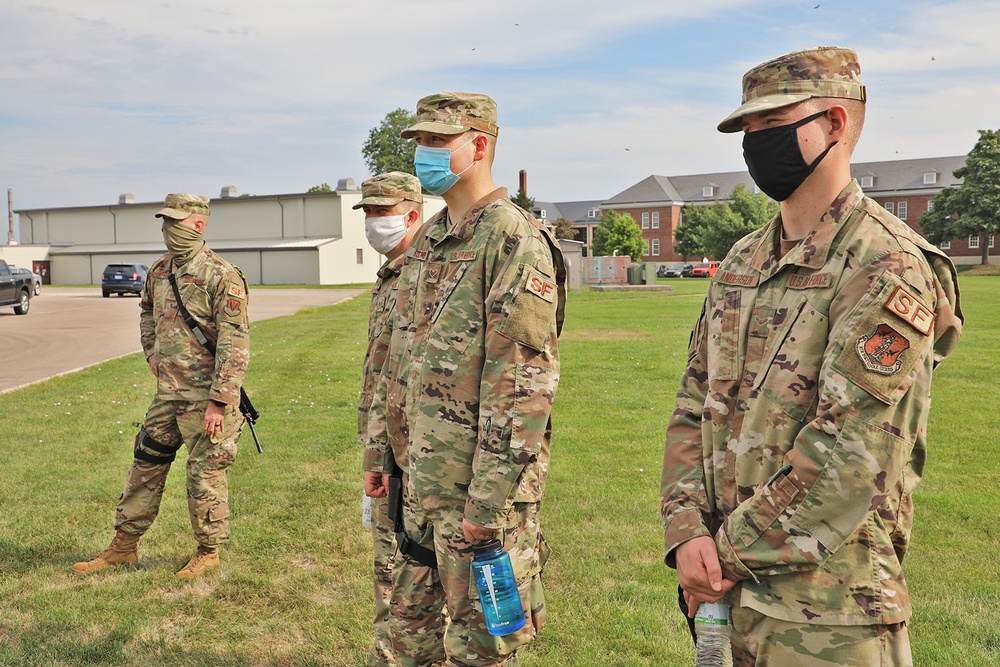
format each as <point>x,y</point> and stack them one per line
<point>385,233</point>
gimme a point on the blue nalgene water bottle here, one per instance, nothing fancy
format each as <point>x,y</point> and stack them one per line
<point>497,588</point>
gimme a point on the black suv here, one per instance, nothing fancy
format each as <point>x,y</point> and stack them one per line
<point>123,279</point>
<point>675,271</point>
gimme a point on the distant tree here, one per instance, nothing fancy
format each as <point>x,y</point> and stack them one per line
<point>687,236</point>
<point>322,187</point>
<point>618,234</point>
<point>564,229</point>
<point>712,230</point>
<point>973,208</point>
<point>385,150</point>
<point>523,200</point>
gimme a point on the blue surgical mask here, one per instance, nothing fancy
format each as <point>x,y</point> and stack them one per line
<point>434,168</point>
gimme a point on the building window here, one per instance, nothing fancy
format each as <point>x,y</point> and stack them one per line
<point>646,251</point>
<point>930,205</point>
<point>973,242</point>
<point>945,245</point>
<point>593,213</point>
<point>656,219</point>
<point>930,177</point>
<point>645,220</point>
<point>867,181</point>
<point>361,256</point>
<point>901,210</point>
<point>656,246</point>
<point>707,191</point>
<point>889,206</point>
<point>990,244</point>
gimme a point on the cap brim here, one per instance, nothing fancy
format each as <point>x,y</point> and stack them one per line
<point>434,127</point>
<point>734,121</point>
<point>172,213</point>
<point>378,201</point>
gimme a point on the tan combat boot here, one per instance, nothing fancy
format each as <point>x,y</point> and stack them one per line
<point>204,559</point>
<point>121,551</point>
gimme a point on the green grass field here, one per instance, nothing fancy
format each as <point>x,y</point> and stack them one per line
<point>294,587</point>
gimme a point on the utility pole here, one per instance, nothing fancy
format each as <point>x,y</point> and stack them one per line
<point>10,216</point>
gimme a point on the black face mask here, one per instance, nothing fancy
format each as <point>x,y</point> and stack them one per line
<point>775,159</point>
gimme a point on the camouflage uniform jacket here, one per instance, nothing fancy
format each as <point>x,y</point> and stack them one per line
<point>215,293</point>
<point>799,430</point>
<point>379,333</point>
<point>474,359</point>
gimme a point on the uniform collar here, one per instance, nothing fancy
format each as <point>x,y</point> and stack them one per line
<point>463,229</point>
<point>391,267</point>
<point>814,250</point>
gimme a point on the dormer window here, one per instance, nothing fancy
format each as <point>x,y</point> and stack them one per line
<point>708,190</point>
<point>930,177</point>
<point>593,213</point>
<point>867,181</point>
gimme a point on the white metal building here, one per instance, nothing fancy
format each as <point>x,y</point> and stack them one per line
<point>307,238</point>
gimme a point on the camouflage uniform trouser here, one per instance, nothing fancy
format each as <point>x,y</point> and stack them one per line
<point>762,641</point>
<point>171,424</point>
<point>384,547</point>
<point>418,592</point>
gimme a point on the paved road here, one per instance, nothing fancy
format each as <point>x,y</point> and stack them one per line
<point>69,328</point>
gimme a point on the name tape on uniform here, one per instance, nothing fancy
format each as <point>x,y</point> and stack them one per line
<point>810,282</point>
<point>743,280</point>
<point>911,310</point>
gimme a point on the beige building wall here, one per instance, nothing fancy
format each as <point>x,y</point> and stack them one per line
<point>281,239</point>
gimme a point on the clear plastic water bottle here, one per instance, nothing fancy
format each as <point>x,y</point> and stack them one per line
<point>497,588</point>
<point>366,511</point>
<point>711,624</point>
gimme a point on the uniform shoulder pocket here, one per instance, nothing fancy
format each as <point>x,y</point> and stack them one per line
<point>532,310</point>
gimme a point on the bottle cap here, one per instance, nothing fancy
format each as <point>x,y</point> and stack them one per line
<point>486,546</point>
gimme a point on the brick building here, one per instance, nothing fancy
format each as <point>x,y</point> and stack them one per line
<point>905,187</point>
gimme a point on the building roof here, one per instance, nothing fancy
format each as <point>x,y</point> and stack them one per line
<point>577,211</point>
<point>892,176</point>
<point>219,245</point>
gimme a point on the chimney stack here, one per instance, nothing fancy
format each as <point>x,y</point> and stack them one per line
<point>523,182</point>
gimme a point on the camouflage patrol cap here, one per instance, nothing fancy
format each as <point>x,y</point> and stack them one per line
<point>454,113</point>
<point>390,189</point>
<point>822,71</point>
<point>179,205</point>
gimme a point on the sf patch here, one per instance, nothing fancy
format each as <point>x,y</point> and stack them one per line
<point>909,308</point>
<point>540,286</point>
<point>881,351</point>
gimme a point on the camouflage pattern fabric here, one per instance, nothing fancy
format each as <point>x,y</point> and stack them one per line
<point>454,113</point>
<point>759,640</point>
<point>419,592</point>
<point>215,293</point>
<point>383,300</point>
<point>390,189</point>
<point>371,424</point>
<point>823,71</point>
<point>384,549</point>
<point>171,423</point>
<point>473,367</point>
<point>800,426</point>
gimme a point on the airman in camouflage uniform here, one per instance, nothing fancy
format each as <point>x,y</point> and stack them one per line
<point>473,370</point>
<point>197,394</point>
<point>800,427</point>
<point>392,205</point>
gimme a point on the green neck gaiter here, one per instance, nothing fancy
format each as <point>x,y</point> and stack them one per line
<point>183,243</point>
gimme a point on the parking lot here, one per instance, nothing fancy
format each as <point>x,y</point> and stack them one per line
<point>69,328</point>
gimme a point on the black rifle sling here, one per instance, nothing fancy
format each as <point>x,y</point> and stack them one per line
<point>250,412</point>
<point>407,546</point>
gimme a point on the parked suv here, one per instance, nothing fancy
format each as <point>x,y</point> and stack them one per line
<point>679,270</point>
<point>123,279</point>
<point>705,270</point>
<point>36,280</point>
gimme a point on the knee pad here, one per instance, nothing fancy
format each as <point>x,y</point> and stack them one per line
<point>149,450</point>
